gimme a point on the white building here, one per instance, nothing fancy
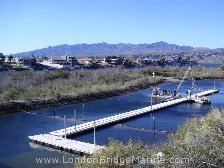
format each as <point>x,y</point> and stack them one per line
<point>22,61</point>
<point>60,62</point>
<point>52,65</point>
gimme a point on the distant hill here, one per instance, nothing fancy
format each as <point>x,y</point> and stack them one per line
<point>101,49</point>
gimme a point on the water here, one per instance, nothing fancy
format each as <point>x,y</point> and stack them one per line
<point>210,66</point>
<point>15,128</point>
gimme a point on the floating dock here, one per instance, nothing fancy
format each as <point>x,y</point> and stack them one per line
<point>56,138</point>
<point>123,116</point>
<point>64,144</point>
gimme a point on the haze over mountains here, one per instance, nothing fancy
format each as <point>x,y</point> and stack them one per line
<point>102,49</point>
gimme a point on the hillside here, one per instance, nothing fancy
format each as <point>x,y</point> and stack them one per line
<point>101,49</point>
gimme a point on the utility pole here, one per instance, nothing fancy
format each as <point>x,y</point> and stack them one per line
<point>65,125</point>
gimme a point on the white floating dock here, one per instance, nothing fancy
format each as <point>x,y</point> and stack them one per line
<point>65,144</point>
<point>119,117</point>
<point>55,139</point>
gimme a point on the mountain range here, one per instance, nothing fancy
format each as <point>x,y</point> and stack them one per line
<point>102,49</point>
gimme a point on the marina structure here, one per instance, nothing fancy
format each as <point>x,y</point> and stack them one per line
<point>58,139</point>
<point>65,144</point>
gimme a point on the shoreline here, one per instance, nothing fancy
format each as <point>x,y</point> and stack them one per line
<point>24,106</point>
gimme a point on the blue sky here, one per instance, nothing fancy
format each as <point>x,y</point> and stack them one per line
<point>32,24</point>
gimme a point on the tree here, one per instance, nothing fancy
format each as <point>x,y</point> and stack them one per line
<point>2,58</point>
<point>222,68</point>
<point>32,55</point>
<point>108,58</point>
<point>10,58</point>
<point>128,63</point>
<point>114,60</point>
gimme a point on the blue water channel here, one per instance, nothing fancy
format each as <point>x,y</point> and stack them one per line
<point>16,151</point>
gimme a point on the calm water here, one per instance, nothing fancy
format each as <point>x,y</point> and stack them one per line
<point>210,66</point>
<point>15,128</point>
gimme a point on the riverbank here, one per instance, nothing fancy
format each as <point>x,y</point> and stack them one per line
<point>45,120</point>
<point>26,91</point>
<point>24,106</point>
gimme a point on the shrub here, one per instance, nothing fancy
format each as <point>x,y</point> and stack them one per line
<point>60,74</point>
<point>86,82</point>
<point>222,68</point>
<point>119,155</point>
<point>197,143</point>
<point>201,140</point>
<point>10,94</point>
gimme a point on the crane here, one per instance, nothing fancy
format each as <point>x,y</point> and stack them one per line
<point>185,75</point>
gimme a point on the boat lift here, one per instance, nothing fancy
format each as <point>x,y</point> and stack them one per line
<point>189,92</point>
<point>156,93</point>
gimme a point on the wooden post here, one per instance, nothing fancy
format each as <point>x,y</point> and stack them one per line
<point>65,126</point>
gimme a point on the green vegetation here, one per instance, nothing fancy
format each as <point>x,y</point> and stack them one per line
<point>118,152</point>
<point>10,57</point>
<point>222,68</point>
<point>198,143</point>
<point>2,59</point>
<point>28,85</point>
<point>178,73</point>
<point>202,140</point>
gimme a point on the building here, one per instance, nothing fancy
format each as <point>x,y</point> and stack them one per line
<point>53,65</point>
<point>22,61</point>
<point>144,61</point>
<point>25,61</point>
<point>71,60</point>
<point>114,60</point>
<point>60,62</point>
<point>85,61</point>
<point>12,62</point>
<point>100,60</point>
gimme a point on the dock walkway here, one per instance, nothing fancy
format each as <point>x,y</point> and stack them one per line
<point>56,139</point>
<point>65,144</point>
<point>123,116</point>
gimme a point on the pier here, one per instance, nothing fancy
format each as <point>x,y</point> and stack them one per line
<point>57,139</point>
<point>64,144</point>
